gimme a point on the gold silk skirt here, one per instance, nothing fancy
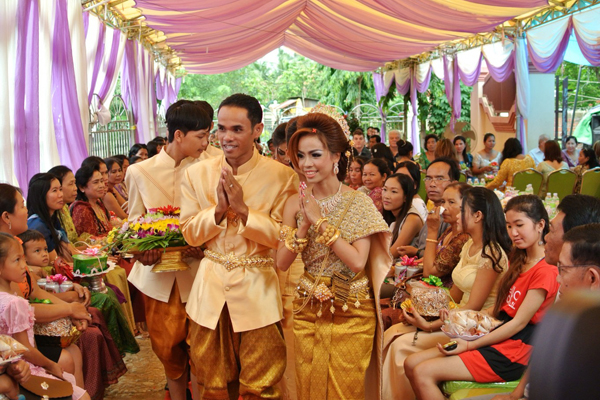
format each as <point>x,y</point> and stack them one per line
<point>333,350</point>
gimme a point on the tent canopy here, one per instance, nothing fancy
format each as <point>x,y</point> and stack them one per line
<point>215,36</point>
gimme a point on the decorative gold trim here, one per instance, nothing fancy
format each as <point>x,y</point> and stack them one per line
<point>231,261</point>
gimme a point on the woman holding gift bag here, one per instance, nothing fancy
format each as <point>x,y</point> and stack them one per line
<point>482,262</point>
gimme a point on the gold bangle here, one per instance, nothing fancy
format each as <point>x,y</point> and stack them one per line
<point>319,223</point>
<point>335,237</point>
<point>327,234</point>
<point>431,240</point>
<point>295,245</point>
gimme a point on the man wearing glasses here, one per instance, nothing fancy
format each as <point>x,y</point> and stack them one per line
<point>440,173</point>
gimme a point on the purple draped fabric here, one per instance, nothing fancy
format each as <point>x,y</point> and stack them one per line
<point>129,81</point>
<point>413,102</point>
<point>172,92</point>
<point>420,87</point>
<point>86,23</point>
<point>470,79</point>
<point>97,61</point>
<point>551,63</point>
<point>68,127</point>
<point>27,118</point>
<point>111,70</point>
<point>502,73</point>
<point>160,87</point>
<point>591,52</point>
<point>379,86</point>
<point>456,97</point>
<point>448,77</point>
<point>403,88</point>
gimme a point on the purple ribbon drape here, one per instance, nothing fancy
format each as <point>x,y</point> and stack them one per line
<point>111,71</point>
<point>68,127</point>
<point>27,118</point>
<point>160,87</point>
<point>591,52</point>
<point>470,79</point>
<point>97,61</point>
<point>456,97</point>
<point>172,92</point>
<point>551,63</point>
<point>129,81</point>
<point>503,72</point>
<point>379,86</point>
<point>421,87</point>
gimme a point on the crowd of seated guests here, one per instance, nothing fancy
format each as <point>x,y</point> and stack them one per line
<point>66,212</point>
<point>483,252</point>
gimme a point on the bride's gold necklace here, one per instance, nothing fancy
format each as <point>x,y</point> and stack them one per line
<point>329,203</point>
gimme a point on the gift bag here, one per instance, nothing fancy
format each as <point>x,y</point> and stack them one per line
<point>60,332</point>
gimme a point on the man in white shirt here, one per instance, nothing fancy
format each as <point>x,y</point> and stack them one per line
<point>538,153</point>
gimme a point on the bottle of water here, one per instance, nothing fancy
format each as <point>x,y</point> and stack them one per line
<point>548,204</point>
<point>529,189</point>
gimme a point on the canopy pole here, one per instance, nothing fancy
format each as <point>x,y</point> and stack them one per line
<point>575,103</point>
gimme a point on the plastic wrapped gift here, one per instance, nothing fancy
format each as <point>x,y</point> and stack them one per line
<point>469,324</point>
<point>428,296</point>
<point>60,332</point>
<point>10,349</point>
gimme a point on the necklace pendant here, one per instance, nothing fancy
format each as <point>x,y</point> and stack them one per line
<point>345,307</point>
<point>332,309</point>
<point>357,304</point>
<point>319,313</point>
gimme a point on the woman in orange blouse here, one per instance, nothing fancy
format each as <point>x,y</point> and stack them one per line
<point>513,161</point>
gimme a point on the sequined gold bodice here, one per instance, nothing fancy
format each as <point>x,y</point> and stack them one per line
<point>361,220</point>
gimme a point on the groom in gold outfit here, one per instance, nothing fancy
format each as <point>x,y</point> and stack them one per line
<point>233,205</point>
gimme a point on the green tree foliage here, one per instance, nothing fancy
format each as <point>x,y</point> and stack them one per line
<point>292,76</point>
<point>434,107</point>
<point>589,89</point>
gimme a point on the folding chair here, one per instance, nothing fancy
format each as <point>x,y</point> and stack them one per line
<point>528,177</point>
<point>422,191</point>
<point>561,182</point>
<point>590,182</point>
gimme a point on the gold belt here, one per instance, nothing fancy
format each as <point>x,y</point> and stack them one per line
<point>339,289</point>
<point>231,261</point>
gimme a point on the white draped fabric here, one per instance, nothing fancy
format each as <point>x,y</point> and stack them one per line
<point>8,44</point>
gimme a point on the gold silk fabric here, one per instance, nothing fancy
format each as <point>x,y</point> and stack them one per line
<point>231,365</point>
<point>252,294</point>
<point>339,355</point>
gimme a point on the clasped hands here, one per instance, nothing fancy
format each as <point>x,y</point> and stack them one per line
<point>230,195</point>
<point>309,209</point>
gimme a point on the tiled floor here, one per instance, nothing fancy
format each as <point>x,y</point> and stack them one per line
<point>145,377</point>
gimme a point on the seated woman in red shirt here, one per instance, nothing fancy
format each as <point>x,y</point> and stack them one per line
<point>526,291</point>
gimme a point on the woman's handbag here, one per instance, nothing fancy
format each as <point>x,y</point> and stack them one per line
<point>37,387</point>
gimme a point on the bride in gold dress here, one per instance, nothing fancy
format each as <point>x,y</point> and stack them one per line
<point>344,243</point>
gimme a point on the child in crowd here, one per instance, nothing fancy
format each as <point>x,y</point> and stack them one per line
<point>16,315</point>
<point>36,251</point>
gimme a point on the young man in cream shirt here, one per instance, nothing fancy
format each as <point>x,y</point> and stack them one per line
<point>153,183</point>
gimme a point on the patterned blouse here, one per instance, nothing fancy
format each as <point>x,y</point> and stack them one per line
<point>86,219</point>
<point>508,168</point>
<point>447,257</point>
<point>361,220</point>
